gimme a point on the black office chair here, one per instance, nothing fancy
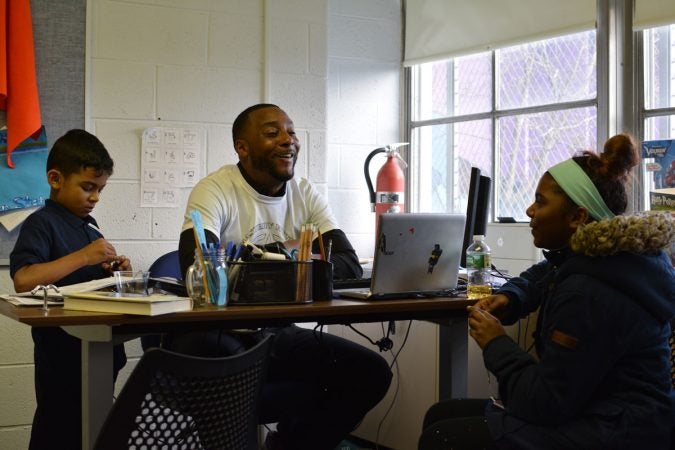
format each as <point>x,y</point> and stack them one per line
<point>167,265</point>
<point>175,401</point>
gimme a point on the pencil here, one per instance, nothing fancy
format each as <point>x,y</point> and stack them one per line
<point>322,250</point>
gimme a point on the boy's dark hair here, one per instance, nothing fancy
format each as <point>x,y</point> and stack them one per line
<point>77,150</point>
<point>240,122</point>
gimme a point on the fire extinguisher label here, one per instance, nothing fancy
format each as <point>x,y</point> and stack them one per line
<point>390,197</point>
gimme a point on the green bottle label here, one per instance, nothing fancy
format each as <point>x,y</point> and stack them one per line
<point>478,261</point>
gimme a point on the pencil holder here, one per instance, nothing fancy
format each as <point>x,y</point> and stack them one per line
<point>322,280</point>
<point>206,281</point>
<point>269,282</point>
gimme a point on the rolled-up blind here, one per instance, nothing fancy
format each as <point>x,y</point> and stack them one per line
<point>653,13</point>
<point>441,29</point>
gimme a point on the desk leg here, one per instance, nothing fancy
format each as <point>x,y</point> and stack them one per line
<point>97,382</point>
<point>453,359</point>
<point>97,388</point>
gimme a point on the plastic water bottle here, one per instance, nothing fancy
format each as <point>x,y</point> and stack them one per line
<point>478,264</point>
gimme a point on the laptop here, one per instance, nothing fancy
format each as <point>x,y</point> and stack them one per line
<point>416,253</point>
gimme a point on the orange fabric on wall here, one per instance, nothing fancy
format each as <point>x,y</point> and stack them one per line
<point>18,80</point>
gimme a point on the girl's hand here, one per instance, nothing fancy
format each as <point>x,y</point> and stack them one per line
<point>483,326</point>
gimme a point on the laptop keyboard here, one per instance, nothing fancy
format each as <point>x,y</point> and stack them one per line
<point>351,283</point>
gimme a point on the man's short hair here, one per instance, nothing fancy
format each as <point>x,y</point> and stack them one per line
<point>242,119</point>
<point>77,150</point>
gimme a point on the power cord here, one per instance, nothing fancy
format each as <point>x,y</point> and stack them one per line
<point>385,344</point>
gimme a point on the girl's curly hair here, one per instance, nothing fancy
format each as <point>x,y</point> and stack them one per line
<point>610,169</point>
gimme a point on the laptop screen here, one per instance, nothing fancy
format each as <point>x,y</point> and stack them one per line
<point>417,252</point>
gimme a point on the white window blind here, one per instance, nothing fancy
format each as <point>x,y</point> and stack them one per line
<point>653,13</point>
<point>441,29</point>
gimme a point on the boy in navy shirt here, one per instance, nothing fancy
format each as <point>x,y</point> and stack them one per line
<point>61,244</point>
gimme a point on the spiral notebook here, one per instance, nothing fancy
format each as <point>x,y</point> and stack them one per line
<point>417,253</point>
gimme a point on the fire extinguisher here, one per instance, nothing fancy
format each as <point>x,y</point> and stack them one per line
<point>390,183</point>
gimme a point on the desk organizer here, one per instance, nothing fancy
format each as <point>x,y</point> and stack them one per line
<point>269,282</point>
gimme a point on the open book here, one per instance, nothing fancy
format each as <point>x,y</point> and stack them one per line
<point>100,288</point>
<point>87,286</point>
<point>112,302</point>
<point>56,298</point>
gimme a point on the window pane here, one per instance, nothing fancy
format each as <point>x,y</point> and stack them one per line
<point>453,87</point>
<point>663,173</point>
<point>551,71</point>
<point>528,145</point>
<point>659,50</point>
<point>445,155</point>
<point>662,127</point>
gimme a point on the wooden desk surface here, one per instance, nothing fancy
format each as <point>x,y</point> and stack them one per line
<point>324,312</point>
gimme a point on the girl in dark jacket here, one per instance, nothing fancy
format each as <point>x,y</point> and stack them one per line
<point>605,296</point>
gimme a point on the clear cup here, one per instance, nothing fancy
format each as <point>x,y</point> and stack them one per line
<point>129,282</point>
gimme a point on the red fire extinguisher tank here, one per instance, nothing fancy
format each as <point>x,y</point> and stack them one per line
<point>390,186</point>
<point>390,182</point>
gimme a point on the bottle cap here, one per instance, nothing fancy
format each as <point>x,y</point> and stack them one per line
<point>479,236</point>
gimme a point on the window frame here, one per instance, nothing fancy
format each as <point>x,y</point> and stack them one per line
<point>494,115</point>
<point>619,98</point>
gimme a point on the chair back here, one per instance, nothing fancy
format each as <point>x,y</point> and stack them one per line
<point>167,265</point>
<point>177,401</point>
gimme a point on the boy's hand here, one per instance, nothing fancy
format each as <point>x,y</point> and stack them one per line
<point>483,326</point>
<point>119,262</point>
<point>98,252</point>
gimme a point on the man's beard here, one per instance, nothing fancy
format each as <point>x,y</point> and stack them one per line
<point>269,166</point>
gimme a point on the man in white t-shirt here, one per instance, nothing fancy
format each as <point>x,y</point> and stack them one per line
<point>319,386</point>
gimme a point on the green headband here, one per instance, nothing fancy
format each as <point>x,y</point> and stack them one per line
<point>579,187</point>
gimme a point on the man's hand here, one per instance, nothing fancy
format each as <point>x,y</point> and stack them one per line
<point>483,326</point>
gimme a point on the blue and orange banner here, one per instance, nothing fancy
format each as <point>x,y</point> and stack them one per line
<point>18,80</point>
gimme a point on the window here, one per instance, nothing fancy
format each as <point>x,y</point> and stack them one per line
<point>659,90</point>
<point>512,112</point>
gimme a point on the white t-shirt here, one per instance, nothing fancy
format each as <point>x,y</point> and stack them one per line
<point>234,211</point>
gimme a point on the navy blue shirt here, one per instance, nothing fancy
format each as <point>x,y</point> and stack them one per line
<point>51,233</point>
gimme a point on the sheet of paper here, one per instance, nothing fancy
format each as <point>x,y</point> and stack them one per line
<point>171,159</point>
<point>14,218</point>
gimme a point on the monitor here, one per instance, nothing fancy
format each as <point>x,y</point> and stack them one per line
<point>477,209</point>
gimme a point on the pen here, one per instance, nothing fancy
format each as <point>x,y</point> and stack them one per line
<point>95,228</point>
<point>330,248</point>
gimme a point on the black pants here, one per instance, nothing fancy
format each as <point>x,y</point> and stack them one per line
<point>319,386</point>
<point>57,422</point>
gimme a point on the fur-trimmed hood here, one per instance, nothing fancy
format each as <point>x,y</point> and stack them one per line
<point>626,253</point>
<point>640,233</point>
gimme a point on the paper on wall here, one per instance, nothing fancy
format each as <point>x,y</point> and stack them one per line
<point>14,218</point>
<point>171,159</point>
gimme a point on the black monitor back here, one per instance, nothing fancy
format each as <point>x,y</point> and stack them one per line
<point>477,208</point>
